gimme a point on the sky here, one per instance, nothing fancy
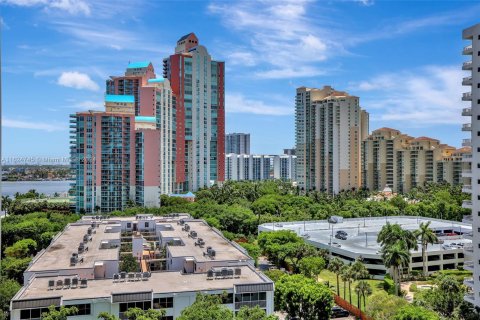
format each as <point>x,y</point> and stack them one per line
<point>403,59</point>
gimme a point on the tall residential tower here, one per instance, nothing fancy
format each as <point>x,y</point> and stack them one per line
<point>197,82</point>
<point>238,143</point>
<point>329,129</point>
<point>472,178</point>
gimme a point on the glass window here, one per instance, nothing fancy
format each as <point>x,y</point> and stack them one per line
<point>163,303</point>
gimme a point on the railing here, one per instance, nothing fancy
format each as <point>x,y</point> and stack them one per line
<point>467,81</point>
<point>467,64</point>
<point>466,111</point>
<point>466,142</point>
<point>467,95</point>
<point>350,308</point>
<point>467,49</point>
<point>467,126</point>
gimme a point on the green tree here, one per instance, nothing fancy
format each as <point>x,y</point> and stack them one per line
<point>426,236</point>
<point>61,314</point>
<point>363,289</point>
<point>311,266</point>
<point>8,288</point>
<point>139,314</point>
<point>128,263</point>
<point>335,265</point>
<point>415,313</point>
<point>396,257</point>
<point>303,297</point>
<point>21,249</point>
<point>382,306</point>
<point>107,316</point>
<point>206,307</point>
<point>252,249</point>
<point>246,313</point>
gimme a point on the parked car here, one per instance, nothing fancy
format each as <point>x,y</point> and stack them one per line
<point>342,233</point>
<point>338,312</point>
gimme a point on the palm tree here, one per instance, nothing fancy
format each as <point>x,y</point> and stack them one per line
<point>426,236</point>
<point>393,233</point>
<point>363,289</point>
<point>344,274</point>
<point>335,266</point>
<point>396,257</point>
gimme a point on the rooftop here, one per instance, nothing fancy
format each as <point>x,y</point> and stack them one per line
<point>362,233</point>
<point>138,64</point>
<point>159,282</point>
<point>57,255</point>
<point>225,250</point>
<point>119,98</point>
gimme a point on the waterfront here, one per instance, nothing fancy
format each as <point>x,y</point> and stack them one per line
<point>9,188</point>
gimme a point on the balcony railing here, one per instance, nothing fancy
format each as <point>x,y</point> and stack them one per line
<point>467,127</point>
<point>468,282</point>
<point>467,65</point>
<point>466,112</point>
<point>470,297</point>
<point>467,81</point>
<point>467,50</point>
<point>467,204</point>
<point>467,188</point>
<point>466,142</point>
<point>467,96</point>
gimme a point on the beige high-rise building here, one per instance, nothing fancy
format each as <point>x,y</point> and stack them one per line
<point>403,162</point>
<point>329,129</point>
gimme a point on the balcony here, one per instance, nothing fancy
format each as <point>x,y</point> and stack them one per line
<point>468,248</point>
<point>468,282</point>
<point>467,188</point>
<point>467,96</point>
<point>466,173</point>
<point>468,265</point>
<point>466,112</point>
<point>467,50</point>
<point>466,143</point>
<point>467,81</point>
<point>469,297</point>
<point>467,157</point>
<point>467,127</point>
<point>468,235</point>
<point>467,204</point>
<point>468,65</point>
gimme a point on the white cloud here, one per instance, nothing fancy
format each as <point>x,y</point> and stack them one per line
<point>366,3</point>
<point>237,103</point>
<point>74,7</point>
<point>426,96</point>
<point>77,80</point>
<point>280,36</point>
<point>33,125</point>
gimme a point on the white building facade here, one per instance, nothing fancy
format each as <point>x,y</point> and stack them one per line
<point>472,177</point>
<point>284,167</point>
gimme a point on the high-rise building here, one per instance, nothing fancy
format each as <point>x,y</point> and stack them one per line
<point>238,143</point>
<point>102,155</point>
<point>125,153</point>
<point>472,173</point>
<point>289,152</point>
<point>247,167</point>
<point>197,82</point>
<point>136,76</point>
<point>402,162</point>
<point>284,167</point>
<point>329,128</point>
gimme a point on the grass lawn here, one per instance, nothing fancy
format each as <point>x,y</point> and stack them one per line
<point>325,275</point>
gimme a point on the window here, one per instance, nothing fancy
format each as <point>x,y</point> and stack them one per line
<point>32,313</point>
<point>83,309</point>
<point>147,224</point>
<point>129,225</point>
<point>163,303</point>
<point>144,305</point>
<point>167,318</point>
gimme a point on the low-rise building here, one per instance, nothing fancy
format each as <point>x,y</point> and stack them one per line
<point>178,257</point>
<point>360,240</point>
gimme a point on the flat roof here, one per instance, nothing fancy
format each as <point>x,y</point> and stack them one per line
<point>119,98</point>
<point>57,255</point>
<point>362,233</point>
<point>138,64</point>
<point>159,282</point>
<point>224,249</point>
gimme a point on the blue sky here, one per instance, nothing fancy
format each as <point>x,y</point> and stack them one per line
<point>403,59</point>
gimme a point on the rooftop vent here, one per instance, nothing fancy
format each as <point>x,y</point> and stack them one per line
<point>193,234</point>
<point>186,227</point>
<point>200,242</point>
<point>181,222</point>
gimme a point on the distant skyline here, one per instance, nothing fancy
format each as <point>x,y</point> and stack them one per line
<point>403,59</point>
